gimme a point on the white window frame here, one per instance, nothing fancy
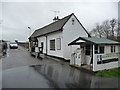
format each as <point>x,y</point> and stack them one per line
<point>52,49</point>
<point>58,43</point>
<point>113,49</point>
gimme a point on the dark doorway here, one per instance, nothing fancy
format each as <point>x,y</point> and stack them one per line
<point>41,48</point>
<point>87,51</point>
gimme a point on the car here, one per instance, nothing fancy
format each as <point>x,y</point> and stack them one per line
<point>13,45</point>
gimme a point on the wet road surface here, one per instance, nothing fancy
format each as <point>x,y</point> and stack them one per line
<point>19,57</point>
<point>49,74</point>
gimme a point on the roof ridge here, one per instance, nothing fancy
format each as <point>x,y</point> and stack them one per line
<point>64,20</point>
<point>56,21</point>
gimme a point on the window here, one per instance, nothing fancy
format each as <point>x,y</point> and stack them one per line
<point>52,44</point>
<point>96,49</point>
<point>101,49</point>
<point>112,49</point>
<point>58,43</point>
<point>73,21</point>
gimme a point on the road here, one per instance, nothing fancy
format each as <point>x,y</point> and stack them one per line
<point>19,57</point>
<point>20,70</point>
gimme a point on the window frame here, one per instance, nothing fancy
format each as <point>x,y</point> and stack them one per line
<point>58,42</point>
<point>52,48</point>
<point>113,49</point>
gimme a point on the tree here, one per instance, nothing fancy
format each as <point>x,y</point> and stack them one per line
<point>106,28</point>
<point>118,29</point>
<point>113,23</point>
<point>97,31</point>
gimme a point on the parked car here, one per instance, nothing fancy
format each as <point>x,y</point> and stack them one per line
<point>13,45</point>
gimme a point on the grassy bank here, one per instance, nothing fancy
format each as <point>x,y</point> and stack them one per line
<point>110,73</point>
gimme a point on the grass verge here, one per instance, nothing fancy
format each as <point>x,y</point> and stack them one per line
<point>110,73</point>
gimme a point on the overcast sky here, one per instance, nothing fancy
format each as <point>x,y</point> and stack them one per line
<point>17,16</point>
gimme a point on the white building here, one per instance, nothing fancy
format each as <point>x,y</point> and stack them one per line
<point>53,39</point>
<point>98,53</point>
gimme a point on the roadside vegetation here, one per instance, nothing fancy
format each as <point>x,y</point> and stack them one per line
<point>110,73</point>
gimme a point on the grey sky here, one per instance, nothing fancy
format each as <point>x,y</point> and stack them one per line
<point>17,16</point>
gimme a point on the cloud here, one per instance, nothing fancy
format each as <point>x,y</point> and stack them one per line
<point>17,16</point>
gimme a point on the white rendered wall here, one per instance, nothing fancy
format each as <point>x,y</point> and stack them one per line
<point>42,39</point>
<point>57,53</point>
<point>70,33</point>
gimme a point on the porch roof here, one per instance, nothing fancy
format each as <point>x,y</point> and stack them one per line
<point>93,40</point>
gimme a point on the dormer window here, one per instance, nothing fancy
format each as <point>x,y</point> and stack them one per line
<point>73,21</point>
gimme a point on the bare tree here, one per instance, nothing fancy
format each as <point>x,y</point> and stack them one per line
<point>97,31</point>
<point>106,28</point>
<point>118,29</point>
<point>113,23</point>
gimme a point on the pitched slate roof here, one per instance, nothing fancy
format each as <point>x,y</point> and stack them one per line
<point>94,40</point>
<point>53,27</point>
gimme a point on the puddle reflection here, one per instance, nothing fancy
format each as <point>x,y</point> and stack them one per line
<point>65,76</point>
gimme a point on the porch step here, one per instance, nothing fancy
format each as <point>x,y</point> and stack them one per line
<point>41,55</point>
<point>34,54</point>
<point>38,55</point>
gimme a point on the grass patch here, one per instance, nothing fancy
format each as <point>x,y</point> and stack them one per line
<point>111,73</point>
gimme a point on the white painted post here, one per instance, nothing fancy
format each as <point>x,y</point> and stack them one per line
<point>71,56</point>
<point>94,62</point>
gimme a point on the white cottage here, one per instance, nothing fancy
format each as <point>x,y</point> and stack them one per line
<point>53,39</point>
<point>98,53</point>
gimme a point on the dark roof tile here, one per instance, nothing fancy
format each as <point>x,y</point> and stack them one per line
<point>55,26</point>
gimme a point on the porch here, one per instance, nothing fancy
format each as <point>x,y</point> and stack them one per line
<point>95,53</point>
<point>34,49</point>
